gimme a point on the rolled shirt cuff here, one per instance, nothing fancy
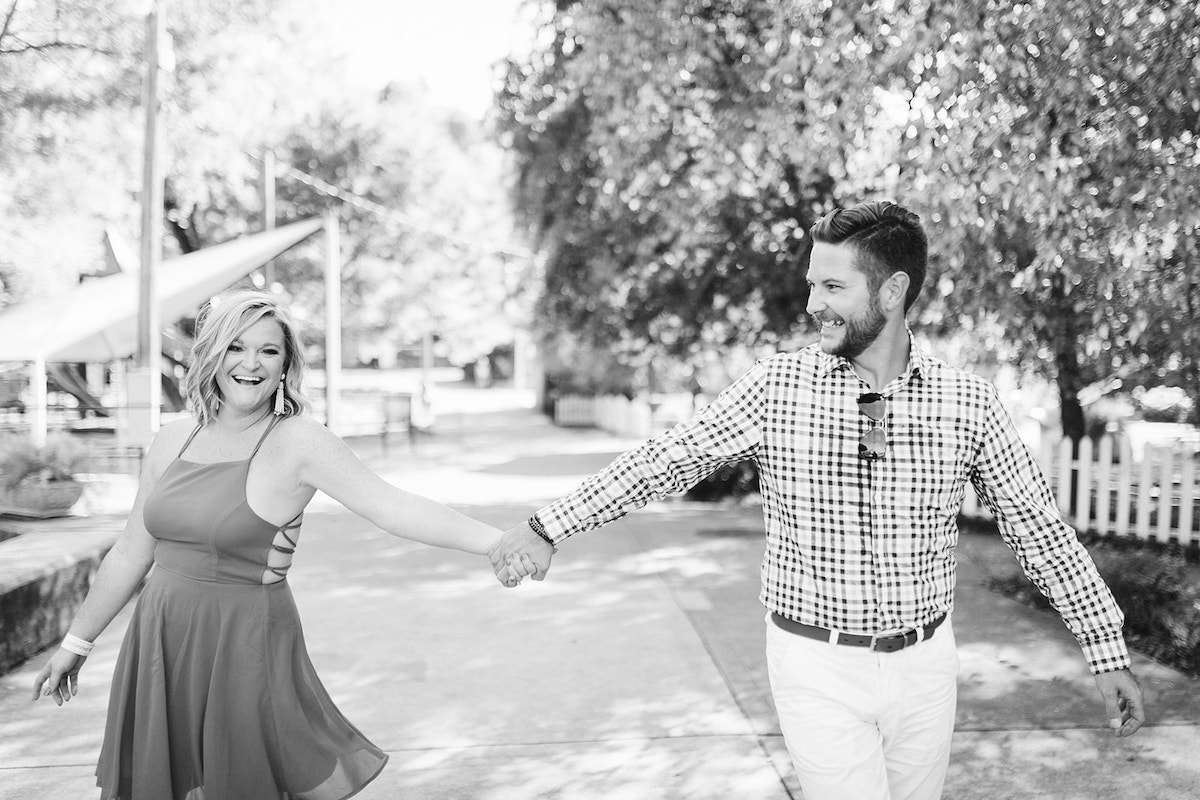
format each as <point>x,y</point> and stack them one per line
<point>1106,655</point>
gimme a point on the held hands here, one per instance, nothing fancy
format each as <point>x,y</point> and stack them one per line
<point>519,553</point>
<point>60,676</point>
<point>1122,701</point>
<point>514,568</point>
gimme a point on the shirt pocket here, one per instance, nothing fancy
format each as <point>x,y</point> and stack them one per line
<point>932,463</point>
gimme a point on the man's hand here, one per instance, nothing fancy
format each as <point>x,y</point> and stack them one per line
<point>517,541</point>
<point>1122,700</point>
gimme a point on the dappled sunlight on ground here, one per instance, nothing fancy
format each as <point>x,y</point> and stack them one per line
<point>706,562</point>
<point>995,670</point>
<point>41,733</point>
<point>1037,764</point>
<point>716,768</point>
<point>400,675</point>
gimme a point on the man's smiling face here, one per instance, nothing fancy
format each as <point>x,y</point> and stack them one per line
<point>842,301</point>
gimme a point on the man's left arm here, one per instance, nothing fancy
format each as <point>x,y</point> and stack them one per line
<point>1012,486</point>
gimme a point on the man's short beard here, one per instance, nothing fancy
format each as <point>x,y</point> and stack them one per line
<point>861,331</point>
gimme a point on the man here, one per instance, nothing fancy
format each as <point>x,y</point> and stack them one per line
<point>865,445</point>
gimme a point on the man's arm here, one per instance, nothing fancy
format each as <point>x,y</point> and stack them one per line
<point>1012,486</point>
<point>728,430</point>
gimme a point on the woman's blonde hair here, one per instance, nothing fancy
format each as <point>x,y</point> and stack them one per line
<point>221,321</point>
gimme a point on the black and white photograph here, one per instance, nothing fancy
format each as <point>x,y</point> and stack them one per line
<point>618,400</point>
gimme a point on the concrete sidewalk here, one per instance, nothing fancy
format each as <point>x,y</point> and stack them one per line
<point>634,671</point>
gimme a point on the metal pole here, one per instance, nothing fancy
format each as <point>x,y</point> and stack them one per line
<point>268,199</point>
<point>333,319</point>
<point>149,348</point>
<point>37,383</point>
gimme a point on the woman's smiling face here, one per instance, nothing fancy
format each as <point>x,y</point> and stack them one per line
<point>252,367</point>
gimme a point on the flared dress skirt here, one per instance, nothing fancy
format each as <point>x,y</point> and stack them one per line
<point>214,698</point>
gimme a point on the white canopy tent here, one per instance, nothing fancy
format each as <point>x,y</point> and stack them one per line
<point>96,322</point>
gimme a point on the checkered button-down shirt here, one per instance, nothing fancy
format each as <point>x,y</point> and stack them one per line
<point>866,546</point>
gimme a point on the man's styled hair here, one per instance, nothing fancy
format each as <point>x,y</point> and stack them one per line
<point>220,322</point>
<point>886,238</point>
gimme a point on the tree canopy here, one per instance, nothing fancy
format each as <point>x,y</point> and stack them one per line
<point>670,158</point>
<point>418,187</point>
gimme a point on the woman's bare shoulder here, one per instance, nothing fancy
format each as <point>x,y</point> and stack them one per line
<point>167,443</point>
<point>173,434</point>
<point>301,426</point>
<point>300,443</point>
<point>303,434</point>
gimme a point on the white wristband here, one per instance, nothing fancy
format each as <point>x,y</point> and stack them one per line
<point>73,644</point>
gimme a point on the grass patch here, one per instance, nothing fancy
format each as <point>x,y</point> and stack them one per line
<point>1156,585</point>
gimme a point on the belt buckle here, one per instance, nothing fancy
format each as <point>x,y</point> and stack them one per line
<point>888,644</point>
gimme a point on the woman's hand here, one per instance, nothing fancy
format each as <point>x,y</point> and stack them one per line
<point>60,677</point>
<point>516,568</point>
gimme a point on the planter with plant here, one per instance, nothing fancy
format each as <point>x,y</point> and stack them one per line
<point>39,481</point>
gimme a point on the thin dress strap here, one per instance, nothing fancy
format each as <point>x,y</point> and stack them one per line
<point>191,436</point>
<point>263,438</point>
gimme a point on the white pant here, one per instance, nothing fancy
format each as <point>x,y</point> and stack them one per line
<point>862,725</point>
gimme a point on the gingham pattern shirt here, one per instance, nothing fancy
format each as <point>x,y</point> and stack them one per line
<point>866,546</point>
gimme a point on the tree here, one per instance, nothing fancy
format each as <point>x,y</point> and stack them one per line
<point>665,169</point>
<point>1051,148</point>
<point>72,129</point>
<point>1059,143</point>
<point>426,227</point>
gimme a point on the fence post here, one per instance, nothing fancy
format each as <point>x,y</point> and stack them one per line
<point>1124,495</point>
<point>1063,462</point>
<point>1083,486</point>
<point>1166,488</point>
<point>1145,474</point>
<point>1187,496</point>
<point>1104,466</point>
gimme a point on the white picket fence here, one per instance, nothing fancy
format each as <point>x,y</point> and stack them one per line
<point>1106,488</point>
<point>616,414</point>
<point>1109,489</point>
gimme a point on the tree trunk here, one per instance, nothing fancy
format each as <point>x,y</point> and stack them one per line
<point>1072,412</point>
<point>1065,342</point>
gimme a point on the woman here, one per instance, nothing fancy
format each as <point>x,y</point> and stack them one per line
<point>214,696</point>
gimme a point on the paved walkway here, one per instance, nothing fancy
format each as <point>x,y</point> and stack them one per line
<point>634,671</point>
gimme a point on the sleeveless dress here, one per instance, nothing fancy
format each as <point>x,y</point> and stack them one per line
<point>214,696</point>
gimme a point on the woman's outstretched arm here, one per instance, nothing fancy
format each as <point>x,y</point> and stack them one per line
<point>326,463</point>
<point>120,573</point>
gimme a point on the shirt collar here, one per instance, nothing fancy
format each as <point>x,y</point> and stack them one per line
<point>918,359</point>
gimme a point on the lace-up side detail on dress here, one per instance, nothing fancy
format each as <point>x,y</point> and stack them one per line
<point>277,571</point>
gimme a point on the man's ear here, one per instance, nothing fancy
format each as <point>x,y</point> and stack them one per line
<point>894,291</point>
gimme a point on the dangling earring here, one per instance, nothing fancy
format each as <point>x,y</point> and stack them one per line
<point>279,399</point>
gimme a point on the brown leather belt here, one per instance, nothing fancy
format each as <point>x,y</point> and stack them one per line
<point>880,644</point>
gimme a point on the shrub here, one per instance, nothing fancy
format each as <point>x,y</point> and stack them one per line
<point>1155,587</point>
<point>57,460</point>
<point>1163,404</point>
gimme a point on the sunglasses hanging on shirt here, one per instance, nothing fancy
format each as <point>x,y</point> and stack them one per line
<point>873,444</point>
